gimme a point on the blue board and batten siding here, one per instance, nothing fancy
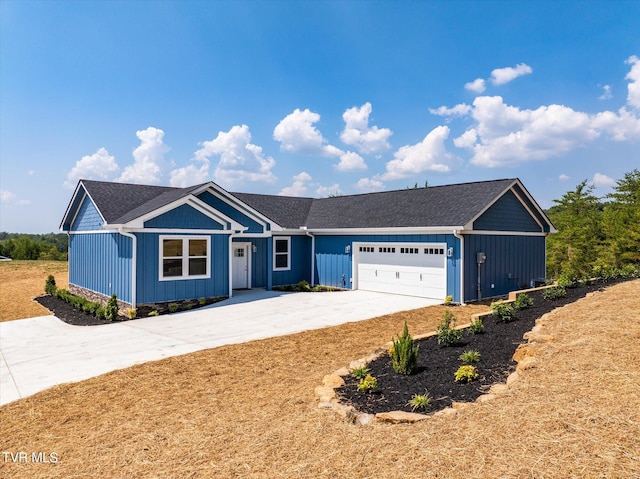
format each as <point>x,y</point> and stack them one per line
<point>88,217</point>
<point>511,262</point>
<point>233,213</point>
<point>334,266</point>
<point>101,262</point>
<point>184,216</point>
<point>151,290</point>
<point>507,214</point>
<point>300,262</point>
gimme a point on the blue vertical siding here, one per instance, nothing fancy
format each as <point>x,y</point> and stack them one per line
<point>300,262</point>
<point>184,216</point>
<point>151,290</point>
<point>101,262</point>
<point>512,261</point>
<point>88,218</point>
<point>231,212</point>
<point>507,214</point>
<point>333,267</point>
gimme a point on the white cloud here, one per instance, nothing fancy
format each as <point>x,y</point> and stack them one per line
<point>563,177</point>
<point>633,98</point>
<point>622,126</point>
<point>240,161</point>
<point>297,134</point>
<point>461,109</point>
<point>350,161</point>
<point>329,190</point>
<point>507,135</point>
<point>299,185</point>
<point>500,76</point>
<point>99,166</point>
<point>428,155</point>
<point>477,85</point>
<point>606,93</point>
<point>6,196</point>
<point>148,158</point>
<point>370,184</point>
<point>603,180</point>
<point>358,133</point>
<point>31,172</point>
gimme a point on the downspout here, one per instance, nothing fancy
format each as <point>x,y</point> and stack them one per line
<point>231,236</point>
<point>457,234</point>
<point>313,257</point>
<point>134,262</point>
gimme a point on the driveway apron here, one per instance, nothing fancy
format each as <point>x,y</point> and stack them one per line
<point>38,353</point>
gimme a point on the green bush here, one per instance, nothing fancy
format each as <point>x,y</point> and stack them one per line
<point>153,313</point>
<point>466,374</point>
<point>448,300</point>
<point>447,336</point>
<point>303,286</point>
<point>173,307</point>
<point>476,326</point>
<point>360,372</point>
<point>554,293</point>
<point>503,312</point>
<point>404,354</point>
<point>419,401</point>
<point>111,309</point>
<point>50,285</point>
<point>523,301</point>
<point>470,356</point>
<point>367,383</point>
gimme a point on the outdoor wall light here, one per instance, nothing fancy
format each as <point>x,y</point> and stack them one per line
<point>449,252</point>
<point>254,248</point>
<point>347,249</point>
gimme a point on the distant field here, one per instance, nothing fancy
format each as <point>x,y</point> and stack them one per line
<point>21,281</point>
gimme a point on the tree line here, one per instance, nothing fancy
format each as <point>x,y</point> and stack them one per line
<point>595,234</point>
<point>50,246</point>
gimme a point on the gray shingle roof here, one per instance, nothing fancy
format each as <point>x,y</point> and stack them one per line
<point>450,205</point>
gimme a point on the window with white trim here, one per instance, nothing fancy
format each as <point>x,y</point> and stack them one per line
<point>184,257</point>
<point>281,253</point>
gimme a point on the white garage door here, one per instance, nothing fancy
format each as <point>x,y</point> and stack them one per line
<point>414,269</point>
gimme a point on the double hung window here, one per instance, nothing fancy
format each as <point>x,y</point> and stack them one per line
<point>184,257</point>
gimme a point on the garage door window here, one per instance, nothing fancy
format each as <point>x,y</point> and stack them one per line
<point>281,254</point>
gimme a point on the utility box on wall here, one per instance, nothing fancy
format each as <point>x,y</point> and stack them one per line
<point>481,258</point>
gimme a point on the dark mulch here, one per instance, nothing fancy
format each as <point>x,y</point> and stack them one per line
<point>67,313</point>
<point>437,365</point>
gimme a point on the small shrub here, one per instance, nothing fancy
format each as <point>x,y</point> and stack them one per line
<point>523,301</point>
<point>419,401</point>
<point>404,356</point>
<point>447,336</point>
<point>448,300</point>
<point>568,280</point>
<point>466,374</point>
<point>368,383</point>
<point>554,293</point>
<point>111,309</point>
<point>100,312</point>
<point>470,356</point>
<point>629,271</point>
<point>503,312</point>
<point>360,372</point>
<point>202,301</point>
<point>173,307</point>
<point>476,326</point>
<point>303,286</point>
<point>131,312</point>
<point>50,285</point>
<point>153,313</point>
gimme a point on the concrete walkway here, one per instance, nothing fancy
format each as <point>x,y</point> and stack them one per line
<point>38,353</point>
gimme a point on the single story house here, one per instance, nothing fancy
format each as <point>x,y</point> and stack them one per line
<point>155,244</point>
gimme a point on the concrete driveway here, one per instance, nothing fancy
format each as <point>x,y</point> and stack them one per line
<point>38,353</point>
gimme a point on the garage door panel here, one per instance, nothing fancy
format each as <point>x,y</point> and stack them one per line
<point>409,269</point>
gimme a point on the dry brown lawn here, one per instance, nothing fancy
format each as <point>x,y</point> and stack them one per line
<point>249,411</point>
<point>21,281</point>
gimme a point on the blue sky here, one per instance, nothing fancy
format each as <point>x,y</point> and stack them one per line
<point>313,98</point>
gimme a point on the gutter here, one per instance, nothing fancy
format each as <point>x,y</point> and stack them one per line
<point>134,262</point>
<point>457,234</point>
<point>313,256</point>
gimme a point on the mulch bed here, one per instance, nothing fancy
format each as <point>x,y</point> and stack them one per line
<point>67,313</point>
<point>436,365</point>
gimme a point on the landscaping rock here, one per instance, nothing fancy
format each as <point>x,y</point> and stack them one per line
<point>325,393</point>
<point>526,363</point>
<point>397,417</point>
<point>333,381</point>
<point>365,419</point>
<point>341,372</point>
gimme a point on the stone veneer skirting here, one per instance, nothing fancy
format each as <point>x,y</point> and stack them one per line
<point>123,308</point>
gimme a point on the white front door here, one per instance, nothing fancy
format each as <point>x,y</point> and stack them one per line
<point>241,265</point>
